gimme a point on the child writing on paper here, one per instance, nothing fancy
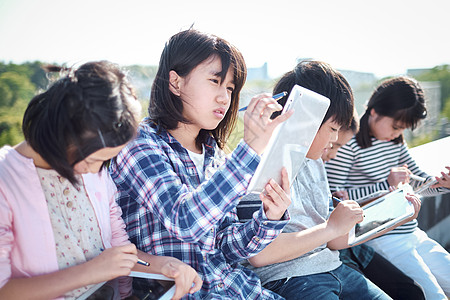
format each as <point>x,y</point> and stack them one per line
<point>303,262</point>
<point>57,208</point>
<point>377,157</point>
<point>362,257</point>
<point>176,189</point>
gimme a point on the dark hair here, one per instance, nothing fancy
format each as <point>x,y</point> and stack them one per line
<point>89,109</point>
<point>321,78</point>
<point>354,124</point>
<point>182,53</point>
<point>400,98</point>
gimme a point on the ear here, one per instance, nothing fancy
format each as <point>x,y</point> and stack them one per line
<point>174,83</point>
<point>373,112</point>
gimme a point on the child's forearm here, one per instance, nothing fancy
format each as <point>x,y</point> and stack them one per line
<point>156,263</point>
<point>291,245</point>
<point>339,243</point>
<point>48,286</point>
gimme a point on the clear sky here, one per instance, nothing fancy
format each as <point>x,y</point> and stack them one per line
<point>384,37</point>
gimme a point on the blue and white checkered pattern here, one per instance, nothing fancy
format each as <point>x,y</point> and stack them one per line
<point>168,211</point>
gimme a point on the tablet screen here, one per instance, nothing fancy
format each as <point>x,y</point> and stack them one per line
<point>383,213</point>
<point>151,289</point>
<point>148,286</point>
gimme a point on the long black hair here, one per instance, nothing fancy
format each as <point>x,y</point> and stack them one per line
<point>89,109</point>
<point>400,98</point>
<point>182,53</point>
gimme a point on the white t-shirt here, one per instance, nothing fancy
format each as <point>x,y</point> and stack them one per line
<point>199,161</point>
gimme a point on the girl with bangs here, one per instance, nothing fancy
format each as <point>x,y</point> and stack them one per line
<point>177,190</point>
<point>377,158</point>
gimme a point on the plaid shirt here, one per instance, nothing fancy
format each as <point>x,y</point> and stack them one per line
<point>168,211</point>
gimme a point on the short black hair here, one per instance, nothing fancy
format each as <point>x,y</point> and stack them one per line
<point>182,53</point>
<point>321,78</point>
<point>87,110</point>
<point>400,98</point>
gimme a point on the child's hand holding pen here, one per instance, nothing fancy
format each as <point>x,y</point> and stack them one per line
<point>111,263</point>
<point>346,215</point>
<point>274,97</point>
<point>258,125</point>
<point>139,261</point>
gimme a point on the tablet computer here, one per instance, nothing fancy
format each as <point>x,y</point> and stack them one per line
<point>291,140</point>
<point>382,213</point>
<point>149,286</point>
<point>145,286</point>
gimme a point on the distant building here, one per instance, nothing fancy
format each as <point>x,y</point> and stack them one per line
<point>416,72</point>
<point>258,73</point>
<point>432,90</point>
<point>363,84</point>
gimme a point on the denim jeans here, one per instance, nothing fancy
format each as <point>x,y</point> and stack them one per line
<point>341,283</point>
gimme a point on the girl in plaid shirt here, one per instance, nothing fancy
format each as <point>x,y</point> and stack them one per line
<point>177,190</point>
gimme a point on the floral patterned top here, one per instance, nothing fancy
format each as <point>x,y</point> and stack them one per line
<point>75,226</point>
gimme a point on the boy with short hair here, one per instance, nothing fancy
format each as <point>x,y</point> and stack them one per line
<point>303,262</point>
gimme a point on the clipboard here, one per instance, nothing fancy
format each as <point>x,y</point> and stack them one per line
<point>380,214</point>
<point>291,140</point>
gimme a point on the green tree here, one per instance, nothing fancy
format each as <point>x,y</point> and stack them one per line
<point>15,87</point>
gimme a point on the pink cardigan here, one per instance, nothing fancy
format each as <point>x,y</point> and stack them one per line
<point>27,245</point>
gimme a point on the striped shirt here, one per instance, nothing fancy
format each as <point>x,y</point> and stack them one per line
<point>169,211</point>
<point>364,171</point>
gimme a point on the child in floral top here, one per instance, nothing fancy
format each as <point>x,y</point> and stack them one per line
<point>57,208</point>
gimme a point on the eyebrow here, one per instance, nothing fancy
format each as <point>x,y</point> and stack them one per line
<point>217,74</point>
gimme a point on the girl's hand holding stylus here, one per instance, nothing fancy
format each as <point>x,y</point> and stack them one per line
<point>399,175</point>
<point>346,214</point>
<point>186,278</point>
<point>258,126</point>
<point>276,199</point>
<point>112,263</point>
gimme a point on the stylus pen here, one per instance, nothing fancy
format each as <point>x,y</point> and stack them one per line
<point>140,261</point>
<point>274,97</point>
<point>337,199</point>
<point>418,178</point>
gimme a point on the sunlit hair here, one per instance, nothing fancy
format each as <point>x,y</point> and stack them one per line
<point>400,98</point>
<point>182,53</point>
<point>85,111</point>
<point>321,78</point>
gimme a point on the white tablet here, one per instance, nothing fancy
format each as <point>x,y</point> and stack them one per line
<point>291,140</point>
<point>383,213</point>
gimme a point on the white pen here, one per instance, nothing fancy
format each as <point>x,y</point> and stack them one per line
<point>418,178</point>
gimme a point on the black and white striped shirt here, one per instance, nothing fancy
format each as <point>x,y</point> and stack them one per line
<point>364,171</point>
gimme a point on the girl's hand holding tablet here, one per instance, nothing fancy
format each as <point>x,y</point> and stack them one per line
<point>276,199</point>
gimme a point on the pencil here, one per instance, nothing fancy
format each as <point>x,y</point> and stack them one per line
<point>274,97</point>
